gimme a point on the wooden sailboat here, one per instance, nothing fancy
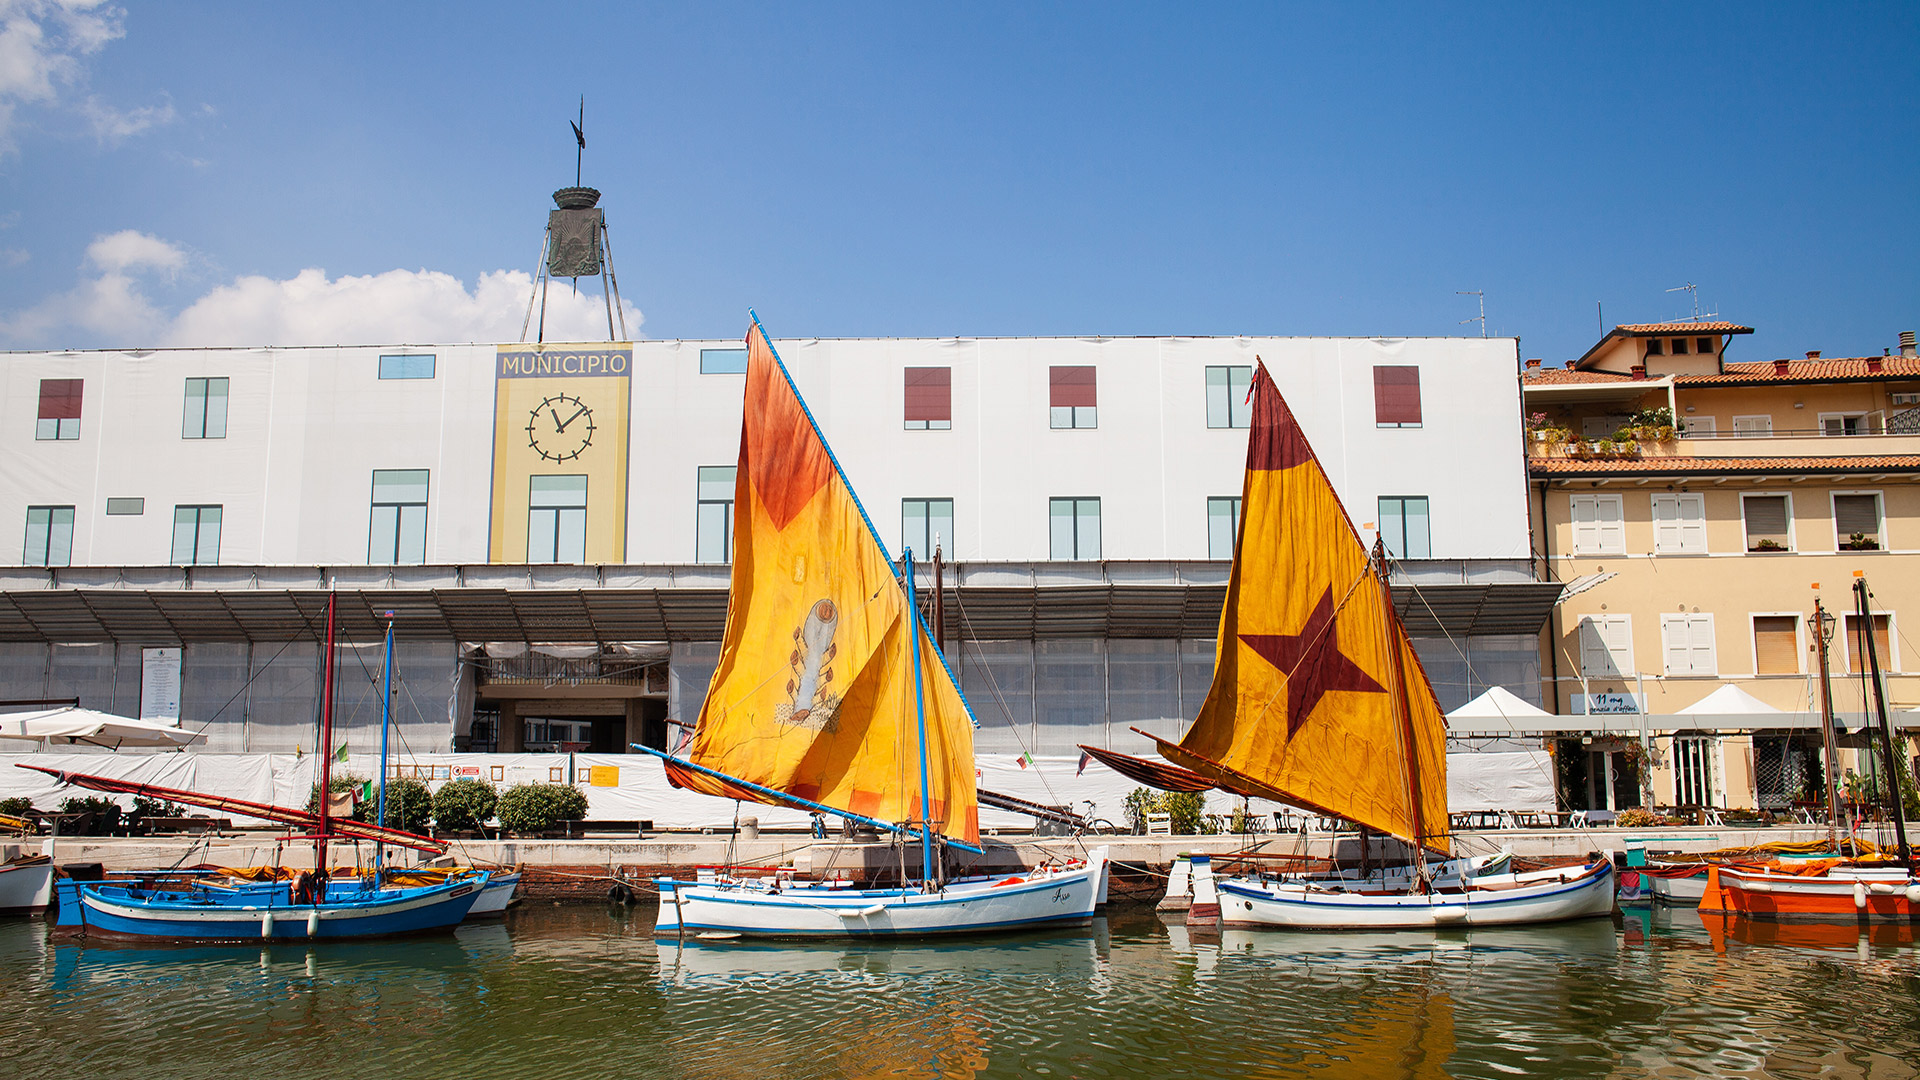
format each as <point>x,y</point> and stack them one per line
<point>1836,889</point>
<point>1319,701</point>
<point>830,696</point>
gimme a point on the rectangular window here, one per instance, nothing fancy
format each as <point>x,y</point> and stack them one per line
<point>205,416</point>
<point>1403,525</point>
<point>929,398</point>
<point>723,361</point>
<point>1396,396</point>
<point>1075,527</point>
<point>59,409</point>
<point>713,514</point>
<point>1753,426</point>
<point>924,523</point>
<point>1882,644</point>
<point>1697,427</point>
<point>1606,646</point>
<point>49,536</point>
<point>196,536</point>
<point>1688,641</point>
<point>1071,397</point>
<point>1845,424</point>
<point>1679,524</point>
<point>127,507</point>
<point>557,519</point>
<point>1693,770</point>
<point>398,534</point>
<point>1598,525</point>
<point>1223,525</point>
<point>1679,346</point>
<point>1227,403</point>
<point>1776,644</point>
<point>1856,522</point>
<point>1656,347</point>
<point>407,367</point>
<point>1768,519</point>
<point>1703,345</point>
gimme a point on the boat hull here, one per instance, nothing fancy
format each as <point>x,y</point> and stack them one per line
<point>26,886</point>
<point>1678,891</point>
<point>1841,895</point>
<point>1047,897</point>
<point>108,910</point>
<point>493,900</point>
<point>1538,897</point>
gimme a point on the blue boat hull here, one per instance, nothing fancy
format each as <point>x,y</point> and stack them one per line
<point>113,910</point>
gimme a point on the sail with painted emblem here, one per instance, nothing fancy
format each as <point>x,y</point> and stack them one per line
<point>814,694</point>
<point>1317,699</point>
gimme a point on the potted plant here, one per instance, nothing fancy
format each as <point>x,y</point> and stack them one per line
<point>1861,542</point>
<point>1767,545</point>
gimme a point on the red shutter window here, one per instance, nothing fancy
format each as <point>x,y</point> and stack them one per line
<point>929,398</point>
<point>1396,396</point>
<point>1070,393</point>
<point>59,409</point>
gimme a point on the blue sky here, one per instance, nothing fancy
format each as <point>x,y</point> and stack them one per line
<point>286,173</point>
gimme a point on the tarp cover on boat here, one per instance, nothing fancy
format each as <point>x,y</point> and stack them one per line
<point>1317,697</point>
<point>814,692</point>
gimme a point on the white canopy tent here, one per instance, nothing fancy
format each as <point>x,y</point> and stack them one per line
<point>72,725</point>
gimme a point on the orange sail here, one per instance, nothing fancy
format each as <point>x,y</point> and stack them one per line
<point>814,692</point>
<point>1318,699</point>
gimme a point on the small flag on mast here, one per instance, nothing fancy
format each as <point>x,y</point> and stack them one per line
<point>1084,759</point>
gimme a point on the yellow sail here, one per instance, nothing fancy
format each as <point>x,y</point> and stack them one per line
<point>1317,699</point>
<point>814,692</point>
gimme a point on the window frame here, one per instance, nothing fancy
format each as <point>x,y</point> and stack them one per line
<point>723,361</point>
<point>1889,663</point>
<point>1704,345</point>
<point>1746,531</point>
<point>399,508</point>
<point>1698,527</point>
<point>559,519</point>
<point>1879,514</point>
<point>1233,534</point>
<point>1073,417</point>
<point>1799,643</point>
<point>1766,418</point>
<point>1668,620</point>
<point>1380,511</point>
<point>927,503</point>
<point>65,428</point>
<point>199,533</point>
<point>927,423</point>
<point>726,514</point>
<point>1698,427</point>
<point>139,506</point>
<point>1618,501</point>
<point>49,529</point>
<point>1591,622</point>
<point>1234,407</point>
<point>1077,554</point>
<point>401,366</point>
<point>1383,405</point>
<point>187,425</point>
<point>1860,416</point>
<point>1678,346</point>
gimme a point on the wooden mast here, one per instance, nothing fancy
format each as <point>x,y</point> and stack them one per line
<point>326,748</point>
<point>1402,713</point>
<point>1891,768</point>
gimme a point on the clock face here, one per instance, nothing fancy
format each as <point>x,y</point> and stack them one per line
<point>560,428</point>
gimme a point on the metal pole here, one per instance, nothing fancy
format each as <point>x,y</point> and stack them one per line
<point>386,722</point>
<point>1829,742</point>
<point>1886,729</point>
<point>920,709</point>
<point>326,748</point>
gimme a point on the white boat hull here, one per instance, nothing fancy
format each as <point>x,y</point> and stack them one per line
<point>26,886</point>
<point>1679,891</point>
<point>496,896</point>
<point>1037,898</point>
<point>1541,896</point>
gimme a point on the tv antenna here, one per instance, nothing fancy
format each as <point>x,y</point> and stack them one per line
<point>1694,291</point>
<point>1480,318</point>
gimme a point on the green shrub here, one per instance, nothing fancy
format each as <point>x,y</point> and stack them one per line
<point>409,805</point>
<point>535,808</point>
<point>463,804</point>
<point>1186,808</point>
<point>145,807</point>
<point>340,782</point>
<point>106,814</point>
<point>18,806</point>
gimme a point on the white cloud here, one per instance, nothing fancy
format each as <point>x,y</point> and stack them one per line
<point>111,125</point>
<point>42,46</point>
<point>113,308</point>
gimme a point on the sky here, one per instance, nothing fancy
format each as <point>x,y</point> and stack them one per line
<point>307,173</point>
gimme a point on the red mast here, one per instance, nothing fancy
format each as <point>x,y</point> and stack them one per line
<point>326,749</point>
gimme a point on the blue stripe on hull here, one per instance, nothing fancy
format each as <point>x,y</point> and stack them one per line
<point>1081,918</point>
<point>446,906</point>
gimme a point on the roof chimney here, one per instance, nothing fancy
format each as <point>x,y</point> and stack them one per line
<point>1906,343</point>
<point>1534,364</point>
<point>1639,371</point>
<point>1874,363</point>
<point>1780,366</point>
<point>1813,354</point>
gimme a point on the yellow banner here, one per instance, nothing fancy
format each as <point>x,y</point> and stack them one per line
<point>560,416</point>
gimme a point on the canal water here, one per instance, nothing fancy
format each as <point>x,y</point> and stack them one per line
<point>587,992</point>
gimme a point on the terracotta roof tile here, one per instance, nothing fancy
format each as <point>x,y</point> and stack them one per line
<point>1891,367</point>
<point>1667,466</point>
<point>1568,376</point>
<point>1682,328</point>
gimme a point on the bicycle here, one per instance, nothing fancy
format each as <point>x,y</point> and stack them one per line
<point>1091,825</point>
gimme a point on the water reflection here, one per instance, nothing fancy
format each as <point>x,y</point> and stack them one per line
<point>588,991</point>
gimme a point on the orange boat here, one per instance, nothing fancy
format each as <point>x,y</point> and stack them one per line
<point>1838,892</point>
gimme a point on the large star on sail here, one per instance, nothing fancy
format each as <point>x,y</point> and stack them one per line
<point>1312,662</point>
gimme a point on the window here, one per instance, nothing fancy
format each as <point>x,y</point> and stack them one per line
<point>196,536</point>
<point>129,507</point>
<point>398,534</point>
<point>723,361</point>
<point>929,398</point>
<point>1227,404</point>
<point>1606,646</point>
<point>1598,526</point>
<point>1846,424</point>
<point>1679,346</point>
<point>1679,524</point>
<point>1767,518</point>
<point>407,367</point>
<point>1882,644</point>
<point>924,523</point>
<point>49,536</point>
<point>1688,642</point>
<point>1776,644</point>
<point>205,416</point>
<point>1403,524</point>
<point>1697,427</point>
<point>1754,426</point>
<point>1070,393</point>
<point>1856,522</point>
<point>59,409</point>
<point>1396,396</point>
<point>1223,525</point>
<point>1656,347</point>
<point>557,519</point>
<point>1703,345</point>
<point>713,514</point>
<point>1075,528</point>
<point>1693,770</point>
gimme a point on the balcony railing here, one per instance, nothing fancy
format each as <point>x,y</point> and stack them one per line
<point>535,669</point>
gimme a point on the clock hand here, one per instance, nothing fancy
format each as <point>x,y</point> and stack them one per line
<point>557,425</point>
<point>570,419</point>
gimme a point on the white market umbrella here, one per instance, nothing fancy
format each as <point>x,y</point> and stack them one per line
<point>71,725</point>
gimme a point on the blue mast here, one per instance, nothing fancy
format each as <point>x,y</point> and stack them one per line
<point>920,709</point>
<point>386,717</point>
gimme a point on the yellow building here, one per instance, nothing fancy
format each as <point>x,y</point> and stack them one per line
<point>1696,508</point>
